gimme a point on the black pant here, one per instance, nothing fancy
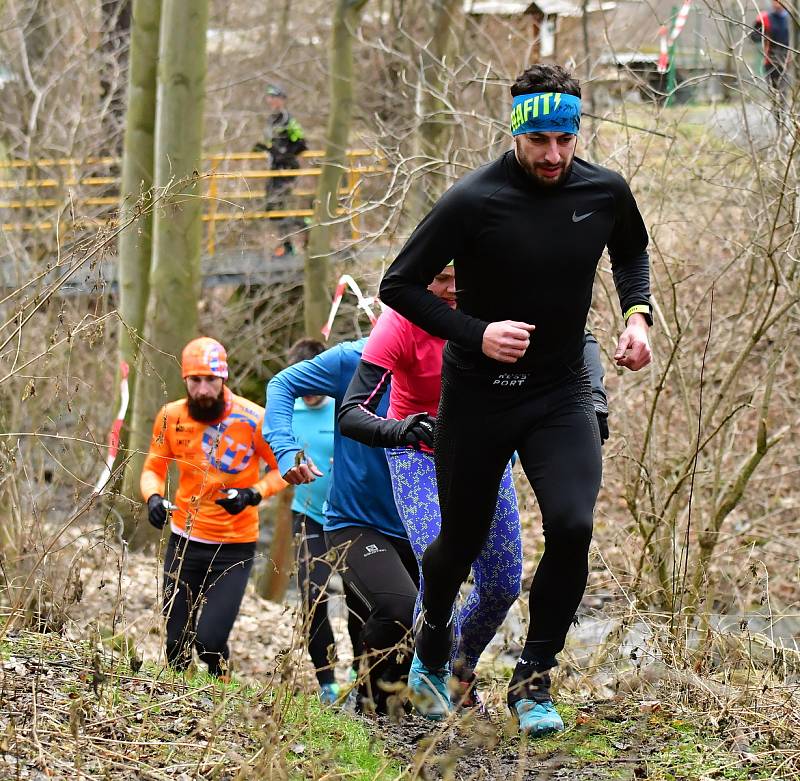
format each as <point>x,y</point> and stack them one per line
<point>382,574</point>
<point>278,196</point>
<point>778,81</point>
<point>203,589</point>
<point>313,574</point>
<point>777,77</point>
<point>482,420</point>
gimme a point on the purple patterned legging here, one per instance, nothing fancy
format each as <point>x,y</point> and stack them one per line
<point>497,572</point>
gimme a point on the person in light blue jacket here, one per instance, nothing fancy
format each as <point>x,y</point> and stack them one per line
<point>361,522</point>
<point>313,425</point>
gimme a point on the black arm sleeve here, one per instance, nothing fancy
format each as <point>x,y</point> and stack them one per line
<point>627,247</point>
<point>358,417</point>
<point>434,243</point>
<point>591,356</point>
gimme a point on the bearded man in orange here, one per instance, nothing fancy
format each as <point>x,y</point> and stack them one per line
<point>214,438</point>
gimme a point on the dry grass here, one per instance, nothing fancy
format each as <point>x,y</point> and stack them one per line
<point>695,561</point>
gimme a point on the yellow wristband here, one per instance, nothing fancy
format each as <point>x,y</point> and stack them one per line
<point>637,308</point>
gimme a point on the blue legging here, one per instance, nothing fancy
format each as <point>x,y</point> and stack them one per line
<point>497,571</point>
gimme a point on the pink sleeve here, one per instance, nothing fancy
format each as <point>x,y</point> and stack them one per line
<point>386,344</point>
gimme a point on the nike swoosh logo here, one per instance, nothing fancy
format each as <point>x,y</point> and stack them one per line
<point>578,218</point>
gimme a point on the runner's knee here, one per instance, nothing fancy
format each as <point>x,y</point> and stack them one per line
<point>210,640</point>
<point>507,587</point>
<point>570,524</point>
<point>389,623</point>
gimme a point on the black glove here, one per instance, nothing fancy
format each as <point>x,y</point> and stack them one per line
<point>416,430</point>
<point>156,512</point>
<point>602,422</point>
<point>245,497</point>
<point>261,147</point>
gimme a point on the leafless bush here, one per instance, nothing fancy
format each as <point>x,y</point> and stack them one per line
<point>696,544</point>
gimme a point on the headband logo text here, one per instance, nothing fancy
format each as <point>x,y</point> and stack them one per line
<point>538,105</point>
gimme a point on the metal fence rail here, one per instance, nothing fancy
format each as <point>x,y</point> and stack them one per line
<point>86,191</point>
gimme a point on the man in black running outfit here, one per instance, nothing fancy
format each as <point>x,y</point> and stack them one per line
<point>526,232</point>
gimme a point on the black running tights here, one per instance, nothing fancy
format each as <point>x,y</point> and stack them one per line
<point>203,589</point>
<point>482,420</point>
<point>313,574</point>
<point>382,574</point>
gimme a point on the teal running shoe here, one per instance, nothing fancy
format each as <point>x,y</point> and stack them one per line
<point>537,718</point>
<point>329,693</point>
<point>428,690</point>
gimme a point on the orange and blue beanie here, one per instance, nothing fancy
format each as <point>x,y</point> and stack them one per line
<point>204,356</point>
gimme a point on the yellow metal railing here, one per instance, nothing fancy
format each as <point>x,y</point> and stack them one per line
<point>20,177</point>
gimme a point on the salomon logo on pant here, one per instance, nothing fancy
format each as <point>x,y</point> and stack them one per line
<point>370,549</point>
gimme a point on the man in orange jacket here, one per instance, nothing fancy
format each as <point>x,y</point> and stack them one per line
<point>214,437</point>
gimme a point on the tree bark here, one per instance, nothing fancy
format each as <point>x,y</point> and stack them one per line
<point>283,30</point>
<point>115,48</point>
<point>316,294</point>
<point>135,241</point>
<point>171,319</point>
<point>586,88</point>
<point>280,559</point>
<point>434,121</point>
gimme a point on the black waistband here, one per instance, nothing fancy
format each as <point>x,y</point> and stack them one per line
<point>478,369</point>
<point>231,547</point>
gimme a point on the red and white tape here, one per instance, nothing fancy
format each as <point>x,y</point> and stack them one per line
<point>113,435</point>
<point>680,21</point>
<point>665,42</point>
<point>364,303</point>
<point>663,54</point>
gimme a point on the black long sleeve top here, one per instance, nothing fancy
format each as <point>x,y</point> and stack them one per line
<point>522,252</point>
<point>359,418</point>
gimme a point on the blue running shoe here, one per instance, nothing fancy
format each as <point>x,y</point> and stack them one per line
<point>429,693</point>
<point>352,705</point>
<point>329,693</point>
<point>537,718</point>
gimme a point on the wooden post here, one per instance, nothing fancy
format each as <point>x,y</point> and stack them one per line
<point>212,209</point>
<point>352,184</point>
<point>280,559</point>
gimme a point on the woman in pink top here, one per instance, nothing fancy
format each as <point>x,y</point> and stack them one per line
<point>402,357</point>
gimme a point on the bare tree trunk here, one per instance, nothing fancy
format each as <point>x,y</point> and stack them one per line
<point>280,560</point>
<point>177,229</point>
<point>433,109</point>
<point>137,180</point>
<point>346,17</point>
<point>729,80</point>
<point>283,29</point>
<point>586,88</point>
<point>116,22</point>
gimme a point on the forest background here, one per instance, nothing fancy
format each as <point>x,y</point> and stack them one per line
<point>688,630</point>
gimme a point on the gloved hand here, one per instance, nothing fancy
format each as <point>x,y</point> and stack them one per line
<point>602,422</point>
<point>416,430</point>
<point>156,512</point>
<point>236,502</point>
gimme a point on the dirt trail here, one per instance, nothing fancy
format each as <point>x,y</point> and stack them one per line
<point>262,631</point>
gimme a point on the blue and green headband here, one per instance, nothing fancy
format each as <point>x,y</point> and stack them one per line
<point>543,112</point>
